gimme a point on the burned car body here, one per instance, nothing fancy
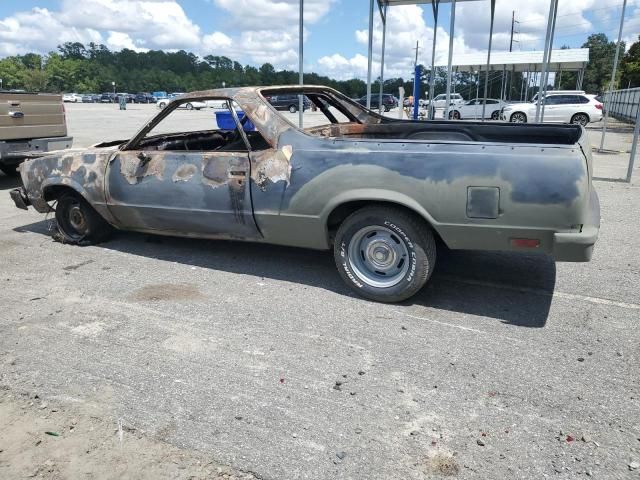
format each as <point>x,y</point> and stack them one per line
<point>377,190</point>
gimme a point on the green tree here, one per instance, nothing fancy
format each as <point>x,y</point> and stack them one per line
<point>597,74</point>
<point>630,68</point>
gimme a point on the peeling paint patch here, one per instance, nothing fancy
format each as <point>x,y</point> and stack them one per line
<point>133,169</point>
<point>184,173</point>
<point>214,172</point>
<point>271,166</point>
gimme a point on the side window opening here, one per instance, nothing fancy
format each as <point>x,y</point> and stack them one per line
<point>207,126</point>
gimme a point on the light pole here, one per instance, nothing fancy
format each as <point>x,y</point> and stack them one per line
<point>224,84</point>
<point>113,84</point>
<point>0,84</point>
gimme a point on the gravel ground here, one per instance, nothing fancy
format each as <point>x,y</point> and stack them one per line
<point>258,358</point>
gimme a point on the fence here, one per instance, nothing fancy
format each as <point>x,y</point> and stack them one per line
<point>623,104</point>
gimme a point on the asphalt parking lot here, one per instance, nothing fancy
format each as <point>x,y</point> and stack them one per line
<point>258,358</point>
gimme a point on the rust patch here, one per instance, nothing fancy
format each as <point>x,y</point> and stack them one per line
<point>133,169</point>
<point>184,173</point>
<point>164,292</point>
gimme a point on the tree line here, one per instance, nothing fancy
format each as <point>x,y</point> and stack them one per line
<point>76,67</point>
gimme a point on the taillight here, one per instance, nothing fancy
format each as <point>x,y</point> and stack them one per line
<point>599,106</point>
<point>525,242</point>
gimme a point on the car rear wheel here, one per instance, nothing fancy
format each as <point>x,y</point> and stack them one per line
<point>161,105</point>
<point>189,106</point>
<point>495,115</point>
<point>580,119</point>
<point>454,115</point>
<point>293,109</point>
<point>384,254</point>
<point>518,117</point>
<point>78,223</point>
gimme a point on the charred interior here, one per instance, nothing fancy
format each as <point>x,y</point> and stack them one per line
<point>208,140</point>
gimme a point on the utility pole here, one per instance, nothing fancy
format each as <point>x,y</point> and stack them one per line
<point>513,24</point>
<point>416,49</point>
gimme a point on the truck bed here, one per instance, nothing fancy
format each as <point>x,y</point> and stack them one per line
<point>454,131</point>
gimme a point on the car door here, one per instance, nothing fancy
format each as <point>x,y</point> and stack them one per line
<point>556,107</point>
<point>183,176</point>
<point>468,110</point>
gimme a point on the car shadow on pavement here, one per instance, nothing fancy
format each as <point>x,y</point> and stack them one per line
<point>514,288</point>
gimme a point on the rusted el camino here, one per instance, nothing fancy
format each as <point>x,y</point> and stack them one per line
<point>380,192</point>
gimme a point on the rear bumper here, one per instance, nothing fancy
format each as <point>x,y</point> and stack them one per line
<point>578,246</point>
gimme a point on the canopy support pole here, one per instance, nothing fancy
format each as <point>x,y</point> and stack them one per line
<point>384,38</point>
<point>370,54</point>
<point>613,78</point>
<point>486,77</point>
<point>301,63</point>
<point>634,146</point>
<point>548,42</point>
<point>435,4</point>
<point>451,32</point>
<point>545,75</point>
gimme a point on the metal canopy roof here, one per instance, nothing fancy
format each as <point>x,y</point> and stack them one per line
<point>563,59</point>
<point>392,3</point>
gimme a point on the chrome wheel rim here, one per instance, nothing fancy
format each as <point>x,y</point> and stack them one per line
<point>77,219</point>
<point>518,118</point>
<point>378,256</point>
<point>580,120</point>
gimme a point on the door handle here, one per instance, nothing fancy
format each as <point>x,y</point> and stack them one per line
<point>238,173</point>
<point>16,114</point>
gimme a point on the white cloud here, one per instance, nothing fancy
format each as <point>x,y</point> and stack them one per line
<point>405,26</point>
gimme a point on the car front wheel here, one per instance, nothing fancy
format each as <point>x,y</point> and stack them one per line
<point>518,117</point>
<point>293,109</point>
<point>580,119</point>
<point>384,254</point>
<point>78,223</point>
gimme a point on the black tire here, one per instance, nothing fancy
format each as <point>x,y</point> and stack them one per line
<point>9,170</point>
<point>495,115</point>
<point>189,106</point>
<point>293,109</point>
<point>518,117</point>
<point>580,119</point>
<point>454,115</point>
<point>405,232</point>
<point>78,223</point>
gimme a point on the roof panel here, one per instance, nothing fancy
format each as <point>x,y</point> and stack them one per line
<point>565,59</point>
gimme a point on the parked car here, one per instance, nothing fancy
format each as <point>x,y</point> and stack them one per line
<point>107,97</point>
<point>378,191</point>
<point>558,108</point>
<point>217,104</point>
<point>129,97</point>
<point>143,97</point>
<point>440,101</point>
<point>88,98</point>
<point>473,109</point>
<point>159,95</point>
<point>388,101</point>
<point>288,102</point>
<point>71,97</point>
<point>193,105</point>
<point>31,124</point>
<point>559,92</point>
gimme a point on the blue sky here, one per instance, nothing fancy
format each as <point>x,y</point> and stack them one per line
<point>256,31</point>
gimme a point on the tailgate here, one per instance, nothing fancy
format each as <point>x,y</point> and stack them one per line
<point>30,115</point>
